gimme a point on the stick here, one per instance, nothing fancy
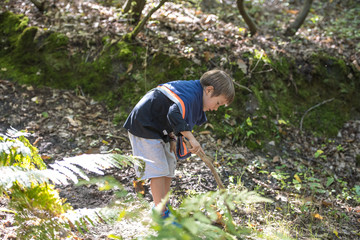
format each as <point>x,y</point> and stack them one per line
<point>208,163</point>
<point>317,105</point>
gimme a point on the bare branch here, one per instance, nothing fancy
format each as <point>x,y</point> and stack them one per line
<point>294,26</point>
<point>313,107</point>
<point>247,18</point>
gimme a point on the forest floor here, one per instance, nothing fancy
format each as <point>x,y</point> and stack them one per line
<point>313,181</point>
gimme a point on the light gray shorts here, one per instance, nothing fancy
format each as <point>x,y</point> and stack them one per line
<point>162,162</point>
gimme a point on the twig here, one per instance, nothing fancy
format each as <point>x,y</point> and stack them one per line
<point>313,107</point>
<point>208,163</point>
<point>262,53</point>
<point>242,86</point>
<point>206,187</point>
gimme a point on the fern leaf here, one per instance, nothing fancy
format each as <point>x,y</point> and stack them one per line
<point>91,162</point>
<point>65,171</point>
<point>73,168</point>
<point>13,133</point>
<point>61,171</point>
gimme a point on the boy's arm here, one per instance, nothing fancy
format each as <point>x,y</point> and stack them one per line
<point>180,126</point>
<point>196,147</point>
<point>176,120</point>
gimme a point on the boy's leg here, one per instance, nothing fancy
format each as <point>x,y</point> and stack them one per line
<point>161,162</point>
<point>160,186</point>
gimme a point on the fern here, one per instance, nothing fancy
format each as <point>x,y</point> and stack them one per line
<point>61,171</point>
<point>197,216</point>
<point>39,211</point>
<point>16,150</point>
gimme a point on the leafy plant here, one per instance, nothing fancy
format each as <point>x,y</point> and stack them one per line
<point>16,150</point>
<point>25,180</point>
<point>280,176</point>
<point>201,215</point>
<point>320,153</point>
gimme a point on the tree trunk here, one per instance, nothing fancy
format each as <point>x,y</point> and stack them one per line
<point>39,4</point>
<point>134,8</point>
<point>246,17</point>
<point>130,36</point>
<point>294,26</point>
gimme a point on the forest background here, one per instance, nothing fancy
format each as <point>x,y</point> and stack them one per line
<point>297,104</point>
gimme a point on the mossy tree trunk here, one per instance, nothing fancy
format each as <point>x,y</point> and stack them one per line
<point>246,17</point>
<point>294,26</point>
<point>131,36</point>
<point>134,8</point>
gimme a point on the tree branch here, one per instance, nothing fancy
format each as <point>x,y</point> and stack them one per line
<point>313,107</point>
<point>294,26</point>
<point>247,18</point>
<point>131,36</point>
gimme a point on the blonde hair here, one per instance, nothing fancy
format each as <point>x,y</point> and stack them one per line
<point>221,82</point>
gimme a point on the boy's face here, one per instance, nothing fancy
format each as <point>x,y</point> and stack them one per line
<point>212,103</point>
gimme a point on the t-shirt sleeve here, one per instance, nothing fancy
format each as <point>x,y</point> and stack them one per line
<point>177,123</point>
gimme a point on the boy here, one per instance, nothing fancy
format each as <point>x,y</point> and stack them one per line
<point>169,110</point>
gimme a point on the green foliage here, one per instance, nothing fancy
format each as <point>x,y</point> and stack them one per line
<point>115,75</point>
<point>39,211</point>
<point>16,150</point>
<point>198,214</point>
<point>10,26</point>
<point>25,47</point>
<point>122,73</point>
<point>33,202</point>
<point>346,25</point>
<point>39,205</point>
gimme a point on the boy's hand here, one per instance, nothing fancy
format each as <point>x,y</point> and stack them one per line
<point>173,147</point>
<point>196,147</point>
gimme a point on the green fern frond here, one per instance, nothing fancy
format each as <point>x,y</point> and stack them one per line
<point>197,214</point>
<point>16,150</point>
<point>39,211</point>
<point>61,171</point>
<point>27,177</point>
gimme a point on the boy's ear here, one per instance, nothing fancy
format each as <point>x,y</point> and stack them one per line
<point>209,89</point>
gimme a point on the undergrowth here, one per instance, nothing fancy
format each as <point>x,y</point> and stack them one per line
<point>40,213</point>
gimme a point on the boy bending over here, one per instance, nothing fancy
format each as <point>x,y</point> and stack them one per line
<point>167,113</point>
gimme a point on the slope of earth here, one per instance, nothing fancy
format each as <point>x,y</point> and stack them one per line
<point>65,124</point>
<point>212,33</point>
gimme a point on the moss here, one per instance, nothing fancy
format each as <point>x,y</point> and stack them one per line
<point>357,160</point>
<point>329,70</point>
<point>25,47</point>
<point>125,50</point>
<point>239,77</point>
<point>283,66</point>
<point>56,40</point>
<point>11,25</point>
<point>128,37</point>
<point>259,95</point>
<point>327,119</point>
<point>280,97</point>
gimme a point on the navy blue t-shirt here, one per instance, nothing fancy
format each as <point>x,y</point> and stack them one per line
<point>156,115</point>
